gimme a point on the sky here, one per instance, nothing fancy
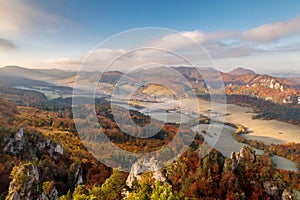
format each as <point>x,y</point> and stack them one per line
<point>261,35</point>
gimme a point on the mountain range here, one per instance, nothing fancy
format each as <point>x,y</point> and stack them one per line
<point>54,83</point>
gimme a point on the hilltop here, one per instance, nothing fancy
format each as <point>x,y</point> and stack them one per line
<point>181,80</point>
<point>241,71</point>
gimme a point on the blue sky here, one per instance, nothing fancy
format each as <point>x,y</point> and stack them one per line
<point>262,35</point>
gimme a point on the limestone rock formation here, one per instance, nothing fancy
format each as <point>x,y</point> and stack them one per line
<point>25,185</point>
<point>52,195</point>
<point>78,176</point>
<point>275,187</point>
<point>273,84</point>
<point>16,144</point>
<point>20,146</point>
<point>59,148</point>
<point>58,151</point>
<point>271,189</point>
<point>75,175</point>
<point>142,166</point>
<point>286,195</point>
<point>246,153</point>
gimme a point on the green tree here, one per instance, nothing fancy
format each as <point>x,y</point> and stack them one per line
<point>113,186</point>
<point>82,193</point>
<point>141,192</point>
<point>47,187</point>
<point>162,192</point>
<point>67,197</point>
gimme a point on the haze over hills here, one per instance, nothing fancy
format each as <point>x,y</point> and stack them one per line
<point>40,80</point>
<point>291,76</point>
<point>38,74</point>
<point>55,83</point>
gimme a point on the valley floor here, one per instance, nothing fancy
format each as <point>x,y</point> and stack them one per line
<point>267,131</point>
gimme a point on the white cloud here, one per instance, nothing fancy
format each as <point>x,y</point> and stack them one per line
<point>93,60</point>
<point>18,17</point>
<point>273,31</point>
<point>109,59</point>
<point>263,62</point>
<point>25,26</point>
<point>175,41</point>
<point>228,46</point>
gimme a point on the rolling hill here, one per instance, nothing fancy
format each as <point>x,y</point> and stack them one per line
<point>241,71</point>
<point>181,80</point>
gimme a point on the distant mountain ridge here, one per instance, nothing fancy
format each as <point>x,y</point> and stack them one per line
<point>241,71</point>
<point>239,81</point>
<point>38,74</point>
<point>291,76</point>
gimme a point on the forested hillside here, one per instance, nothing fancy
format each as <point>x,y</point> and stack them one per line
<point>42,157</point>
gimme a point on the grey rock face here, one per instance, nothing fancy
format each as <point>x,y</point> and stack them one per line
<point>286,195</point>
<point>53,195</point>
<point>247,154</point>
<point>75,175</point>
<point>277,191</point>
<point>23,184</point>
<point>16,144</point>
<point>59,148</point>
<point>142,166</point>
<point>271,190</point>
<point>78,177</point>
<point>18,147</point>
<point>57,151</point>
<point>244,154</point>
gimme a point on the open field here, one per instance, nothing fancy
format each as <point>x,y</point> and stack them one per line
<point>225,143</point>
<point>267,131</point>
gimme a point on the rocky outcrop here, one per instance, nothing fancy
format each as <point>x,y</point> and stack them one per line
<point>286,195</point>
<point>277,192</point>
<point>59,148</point>
<point>234,162</point>
<point>51,195</point>
<point>55,150</point>
<point>272,190</point>
<point>275,188</point>
<point>25,185</point>
<point>143,166</point>
<point>291,99</point>
<point>246,154</point>
<point>16,144</point>
<point>75,175</point>
<point>58,151</point>
<point>78,177</point>
<point>20,146</point>
<point>273,84</point>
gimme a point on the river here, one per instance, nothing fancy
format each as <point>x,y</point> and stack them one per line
<point>225,142</point>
